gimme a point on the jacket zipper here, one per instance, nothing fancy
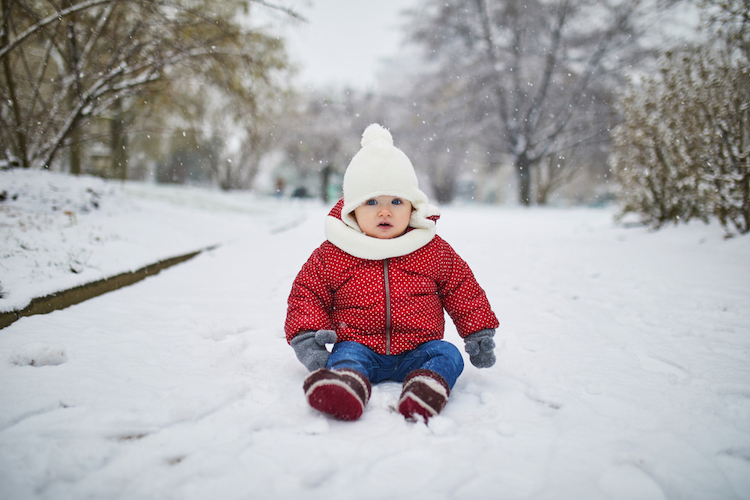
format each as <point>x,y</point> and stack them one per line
<point>387,309</point>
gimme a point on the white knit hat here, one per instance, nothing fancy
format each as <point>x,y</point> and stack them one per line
<point>381,169</point>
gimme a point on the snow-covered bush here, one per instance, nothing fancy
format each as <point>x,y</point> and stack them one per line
<point>683,149</point>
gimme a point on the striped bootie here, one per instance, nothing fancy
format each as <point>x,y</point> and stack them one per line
<point>424,395</point>
<point>342,394</point>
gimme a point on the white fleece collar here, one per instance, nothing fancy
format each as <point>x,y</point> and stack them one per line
<point>357,243</point>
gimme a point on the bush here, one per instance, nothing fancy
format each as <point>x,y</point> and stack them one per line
<point>683,149</point>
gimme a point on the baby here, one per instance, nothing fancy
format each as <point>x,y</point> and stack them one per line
<point>376,290</point>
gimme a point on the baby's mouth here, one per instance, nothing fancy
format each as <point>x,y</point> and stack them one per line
<point>384,224</point>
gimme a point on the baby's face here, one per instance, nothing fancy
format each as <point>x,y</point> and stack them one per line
<point>383,217</point>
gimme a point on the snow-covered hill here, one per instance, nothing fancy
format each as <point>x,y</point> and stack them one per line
<point>623,370</point>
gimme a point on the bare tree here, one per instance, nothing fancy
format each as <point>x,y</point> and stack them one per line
<point>63,64</point>
<point>235,114</point>
<point>322,135</point>
<point>435,141</point>
<point>533,74</point>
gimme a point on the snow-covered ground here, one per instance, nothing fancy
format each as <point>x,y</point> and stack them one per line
<point>58,231</point>
<point>623,370</point>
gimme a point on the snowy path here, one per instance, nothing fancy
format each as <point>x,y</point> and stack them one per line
<point>625,373</point>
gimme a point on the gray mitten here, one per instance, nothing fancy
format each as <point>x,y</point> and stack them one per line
<point>479,346</point>
<point>310,348</point>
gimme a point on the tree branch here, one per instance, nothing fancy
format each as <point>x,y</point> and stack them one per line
<point>11,45</point>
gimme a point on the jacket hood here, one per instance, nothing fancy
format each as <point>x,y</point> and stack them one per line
<point>353,241</point>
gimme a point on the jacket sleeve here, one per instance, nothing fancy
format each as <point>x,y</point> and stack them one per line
<point>463,299</point>
<point>311,299</point>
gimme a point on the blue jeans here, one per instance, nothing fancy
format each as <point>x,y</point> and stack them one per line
<point>436,355</point>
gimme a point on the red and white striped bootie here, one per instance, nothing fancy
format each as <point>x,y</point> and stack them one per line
<point>342,394</point>
<point>424,394</point>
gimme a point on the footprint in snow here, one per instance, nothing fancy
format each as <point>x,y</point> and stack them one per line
<point>39,354</point>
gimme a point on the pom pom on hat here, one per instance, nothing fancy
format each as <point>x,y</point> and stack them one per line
<point>375,133</point>
<point>381,169</point>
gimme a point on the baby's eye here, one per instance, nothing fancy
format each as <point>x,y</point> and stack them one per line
<point>371,202</point>
<point>396,201</point>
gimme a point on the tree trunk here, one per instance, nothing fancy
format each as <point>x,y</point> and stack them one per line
<point>75,132</point>
<point>523,168</point>
<point>75,151</point>
<point>118,143</point>
<point>325,175</point>
<point>20,135</point>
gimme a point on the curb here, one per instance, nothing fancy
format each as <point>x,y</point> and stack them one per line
<point>78,294</point>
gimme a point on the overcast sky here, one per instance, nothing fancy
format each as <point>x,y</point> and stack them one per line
<point>345,41</point>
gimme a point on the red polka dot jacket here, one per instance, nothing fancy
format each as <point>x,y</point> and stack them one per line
<point>389,304</point>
